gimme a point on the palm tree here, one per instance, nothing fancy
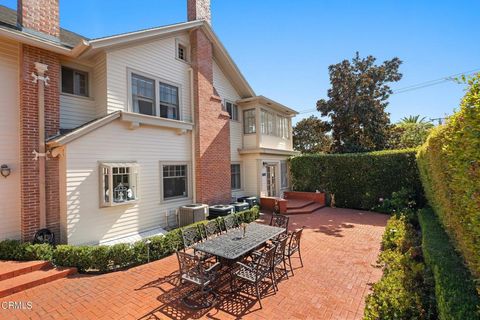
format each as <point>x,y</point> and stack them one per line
<point>412,119</point>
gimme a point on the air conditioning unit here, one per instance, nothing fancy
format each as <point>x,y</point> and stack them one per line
<point>191,213</point>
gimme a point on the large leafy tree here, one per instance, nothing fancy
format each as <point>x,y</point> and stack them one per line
<point>310,136</point>
<point>357,101</point>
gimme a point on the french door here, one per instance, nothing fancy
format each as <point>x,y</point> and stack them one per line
<point>271,180</point>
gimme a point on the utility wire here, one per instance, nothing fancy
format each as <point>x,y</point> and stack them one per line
<point>420,85</point>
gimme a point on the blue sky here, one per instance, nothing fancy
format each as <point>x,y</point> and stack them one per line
<point>284,48</point>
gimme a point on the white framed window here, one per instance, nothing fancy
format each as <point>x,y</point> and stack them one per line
<point>74,81</point>
<point>154,97</point>
<point>174,182</point>
<point>236,176</point>
<point>283,174</point>
<point>267,122</point>
<point>118,183</point>
<point>182,51</point>
<point>232,110</point>
<point>283,127</point>
<point>249,121</point>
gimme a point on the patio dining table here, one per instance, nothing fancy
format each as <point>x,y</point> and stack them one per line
<point>232,245</point>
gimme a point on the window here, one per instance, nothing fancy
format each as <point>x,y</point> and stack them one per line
<point>174,181</point>
<point>267,122</point>
<point>143,95</point>
<point>182,52</point>
<point>282,127</point>
<point>118,183</point>
<point>236,181</point>
<point>74,82</point>
<point>145,101</point>
<point>249,121</point>
<point>284,174</point>
<point>232,110</point>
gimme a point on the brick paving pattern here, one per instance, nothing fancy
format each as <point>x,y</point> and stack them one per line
<point>339,247</point>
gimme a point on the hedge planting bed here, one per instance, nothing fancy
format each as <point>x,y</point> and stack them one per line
<point>454,289</point>
<point>103,258</point>
<point>449,164</point>
<point>358,180</point>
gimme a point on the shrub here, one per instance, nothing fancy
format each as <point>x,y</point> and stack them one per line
<point>454,288</point>
<point>358,180</point>
<point>105,258</point>
<point>449,165</point>
<point>405,289</point>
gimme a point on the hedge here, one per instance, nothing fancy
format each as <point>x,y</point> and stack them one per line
<point>103,258</point>
<point>358,180</point>
<point>454,288</point>
<point>449,165</point>
<point>405,289</point>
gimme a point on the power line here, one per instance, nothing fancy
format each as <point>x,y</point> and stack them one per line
<point>420,85</point>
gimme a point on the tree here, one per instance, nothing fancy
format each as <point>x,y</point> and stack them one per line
<point>409,134</point>
<point>356,103</point>
<point>413,119</point>
<point>309,136</point>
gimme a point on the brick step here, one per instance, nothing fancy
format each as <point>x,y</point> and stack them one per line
<point>308,209</point>
<point>33,279</point>
<point>10,269</point>
<point>298,204</point>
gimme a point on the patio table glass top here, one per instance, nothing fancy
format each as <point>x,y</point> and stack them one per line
<point>233,245</point>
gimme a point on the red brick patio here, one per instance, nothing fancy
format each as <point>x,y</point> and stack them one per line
<point>339,247</point>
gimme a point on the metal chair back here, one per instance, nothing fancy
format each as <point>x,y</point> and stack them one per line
<point>281,245</point>
<point>230,222</point>
<point>210,229</point>
<point>264,263</point>
<point>190,236</point>
<point>294,243</point>
<point>280,221</point>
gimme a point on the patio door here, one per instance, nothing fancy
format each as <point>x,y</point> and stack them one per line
<point>271,180</point>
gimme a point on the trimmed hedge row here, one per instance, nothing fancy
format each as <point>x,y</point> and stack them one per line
<point>106,258</point>
<point>454,288</point>
<point>449,165</point>
<point>405,289</point>
<point>358,180</point>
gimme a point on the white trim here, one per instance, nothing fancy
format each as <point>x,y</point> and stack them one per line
<point>268,103</point>
<point>269,151</point>
<point>110,165</point>
<point>188,182</point>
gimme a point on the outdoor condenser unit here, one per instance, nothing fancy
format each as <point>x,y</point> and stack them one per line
<point>191,213</point>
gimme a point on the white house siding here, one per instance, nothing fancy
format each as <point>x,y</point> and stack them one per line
<point>75,111</point>
<point>10,140</point>
<point>100,84</point>
<point>156,58</point>
<point>86,221</point>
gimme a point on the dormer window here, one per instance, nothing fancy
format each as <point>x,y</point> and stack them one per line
<point>74,82</point>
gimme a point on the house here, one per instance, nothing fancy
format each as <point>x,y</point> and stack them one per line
<point>108,137</point>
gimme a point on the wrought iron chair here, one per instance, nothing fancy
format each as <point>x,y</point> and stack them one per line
<point>202,275</point>
<point>210,229</point>
<point>257,270</point>
<point>294,247</point>
<point>280,221</point>
<point>230,222</point>
<point>191,236</point>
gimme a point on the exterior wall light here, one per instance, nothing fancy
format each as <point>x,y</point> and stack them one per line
<point>5,170</point>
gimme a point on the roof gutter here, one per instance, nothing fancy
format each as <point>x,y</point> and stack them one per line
<point>44,44</point>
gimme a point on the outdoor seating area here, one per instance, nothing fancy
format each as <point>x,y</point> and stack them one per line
<point>249,254</point>
<point>338,250</point>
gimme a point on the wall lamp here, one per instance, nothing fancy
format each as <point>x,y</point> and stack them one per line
<point>5,170</point>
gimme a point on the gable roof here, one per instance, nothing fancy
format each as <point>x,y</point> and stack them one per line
<point>8,19</point>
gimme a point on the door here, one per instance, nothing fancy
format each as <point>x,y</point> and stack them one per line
<point>271,181</point>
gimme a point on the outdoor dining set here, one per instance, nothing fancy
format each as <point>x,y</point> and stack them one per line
<point>250,255</point>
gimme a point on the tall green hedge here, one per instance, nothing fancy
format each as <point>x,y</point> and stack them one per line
<point>455,292</point>
<point>449,164</point>
<point>358,180</point>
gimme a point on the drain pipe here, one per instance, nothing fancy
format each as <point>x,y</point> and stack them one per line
<point>192,110</point>
<point>40,155</point>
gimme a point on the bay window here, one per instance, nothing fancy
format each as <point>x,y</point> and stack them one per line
<point>119,183</point>
<point>267,122</point>
<point>249,121</point>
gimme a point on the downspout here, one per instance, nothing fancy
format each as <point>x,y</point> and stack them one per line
<point>192,110</point>
<point>40,155</point>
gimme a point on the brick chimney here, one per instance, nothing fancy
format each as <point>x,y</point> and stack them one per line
<point>39,16</point>
<point>39,209</point>
<point>212,124</point>
<point>199,10</point>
